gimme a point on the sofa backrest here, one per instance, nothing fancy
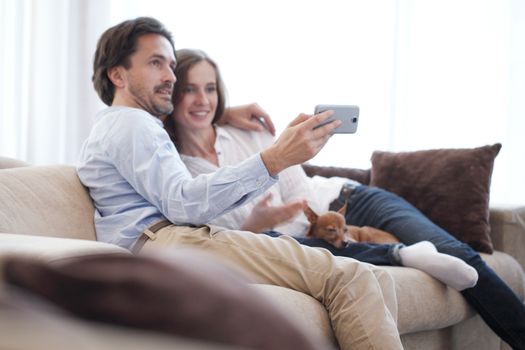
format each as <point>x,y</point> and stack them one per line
<point>360,175</point>
<point>6,162</point>
<point>47,201</point>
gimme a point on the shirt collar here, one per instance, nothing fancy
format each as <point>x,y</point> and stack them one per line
<point>222,132</point>
<point>157,120</point>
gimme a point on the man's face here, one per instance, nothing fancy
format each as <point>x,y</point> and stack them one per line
<point>148,82</point>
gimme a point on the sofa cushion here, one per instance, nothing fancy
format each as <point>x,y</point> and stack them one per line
<point>53,249</point>
<point>45,200</point>
<point>302,307</point>
<point>28,323</point>
<point>424,303</point>
<point>450,186</point>
<point>184,292</point>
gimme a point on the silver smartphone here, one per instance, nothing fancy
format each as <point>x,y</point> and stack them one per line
<point>348,114</point>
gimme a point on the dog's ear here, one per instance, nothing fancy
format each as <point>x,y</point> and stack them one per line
<point>342,210</point>
<point>310,214</point>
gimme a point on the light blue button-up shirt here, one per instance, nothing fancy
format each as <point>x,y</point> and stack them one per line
<point>136,178</point>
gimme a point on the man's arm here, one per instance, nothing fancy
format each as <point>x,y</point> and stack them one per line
<point>299,142</point>
<point>134,165</point>
<point>144,156</point>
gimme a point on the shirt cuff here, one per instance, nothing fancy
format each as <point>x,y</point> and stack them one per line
<point>264,169</point>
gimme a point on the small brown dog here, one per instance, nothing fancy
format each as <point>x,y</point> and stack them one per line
<point>331,226</point>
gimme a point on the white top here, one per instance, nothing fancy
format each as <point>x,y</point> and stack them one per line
<point>136,178</point>
<point>234,146</point>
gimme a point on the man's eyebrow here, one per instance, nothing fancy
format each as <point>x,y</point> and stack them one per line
<point>163,57</point>
<point>158,55</point>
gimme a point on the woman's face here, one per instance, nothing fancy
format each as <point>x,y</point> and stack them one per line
<point>199,98</point>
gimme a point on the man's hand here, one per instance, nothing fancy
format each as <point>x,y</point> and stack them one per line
<point>299,142</point>
<point>250,117</point>
<point>265,217</point>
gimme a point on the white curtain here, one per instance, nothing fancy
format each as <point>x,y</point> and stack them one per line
<point>47,102</point>
<point>426,74</point>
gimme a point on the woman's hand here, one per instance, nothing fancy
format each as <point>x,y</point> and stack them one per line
<point>250,117</point>
<point>264,216</point>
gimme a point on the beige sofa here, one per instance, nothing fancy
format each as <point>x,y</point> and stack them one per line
<point>46,213</point>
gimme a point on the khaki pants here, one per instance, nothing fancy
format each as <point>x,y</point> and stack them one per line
<point>363,311</point>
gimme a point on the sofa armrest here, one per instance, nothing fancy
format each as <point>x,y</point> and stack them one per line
<point>6,163</point>
<point>507,225</point>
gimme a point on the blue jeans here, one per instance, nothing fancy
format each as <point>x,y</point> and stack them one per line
<point>372,253</point>
<point>496,303</point>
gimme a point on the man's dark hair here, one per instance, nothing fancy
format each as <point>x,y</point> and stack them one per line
<point>115,47</point>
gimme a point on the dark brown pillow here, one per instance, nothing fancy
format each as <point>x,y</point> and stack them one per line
<point>450,186</point>
<point>187,294</point>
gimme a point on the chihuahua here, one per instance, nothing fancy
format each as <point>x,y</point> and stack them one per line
<point>331,226</point>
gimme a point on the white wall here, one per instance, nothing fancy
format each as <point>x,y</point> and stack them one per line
<point>426,74</point>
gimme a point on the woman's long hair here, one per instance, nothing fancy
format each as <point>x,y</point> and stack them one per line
<point>186,59</point>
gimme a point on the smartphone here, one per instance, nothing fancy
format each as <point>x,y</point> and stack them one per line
<point>348,114</point>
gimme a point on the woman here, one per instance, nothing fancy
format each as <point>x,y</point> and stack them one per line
<point>199,98</point>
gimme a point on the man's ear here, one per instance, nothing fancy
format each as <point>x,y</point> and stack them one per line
<point>310,214</point>
<point>116,75</point>
<point>342,210</point>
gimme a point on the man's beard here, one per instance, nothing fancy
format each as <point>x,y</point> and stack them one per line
<point>147,101</point>
<point>159,110</point>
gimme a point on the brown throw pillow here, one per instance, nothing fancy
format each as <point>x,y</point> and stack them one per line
<point>186,293</point>
<point>450,186</point>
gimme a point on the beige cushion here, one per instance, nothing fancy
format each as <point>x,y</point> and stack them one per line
<point>303,308</point>
<point>52,249</point>
<point>423,302</point>
<point>184,292</point>
<point>35,325</point>
<point>45,200</point>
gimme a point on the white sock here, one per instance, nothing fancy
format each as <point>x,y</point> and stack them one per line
<point>447,268</point>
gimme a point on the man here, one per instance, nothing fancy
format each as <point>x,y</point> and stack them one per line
<point>141,188</point>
